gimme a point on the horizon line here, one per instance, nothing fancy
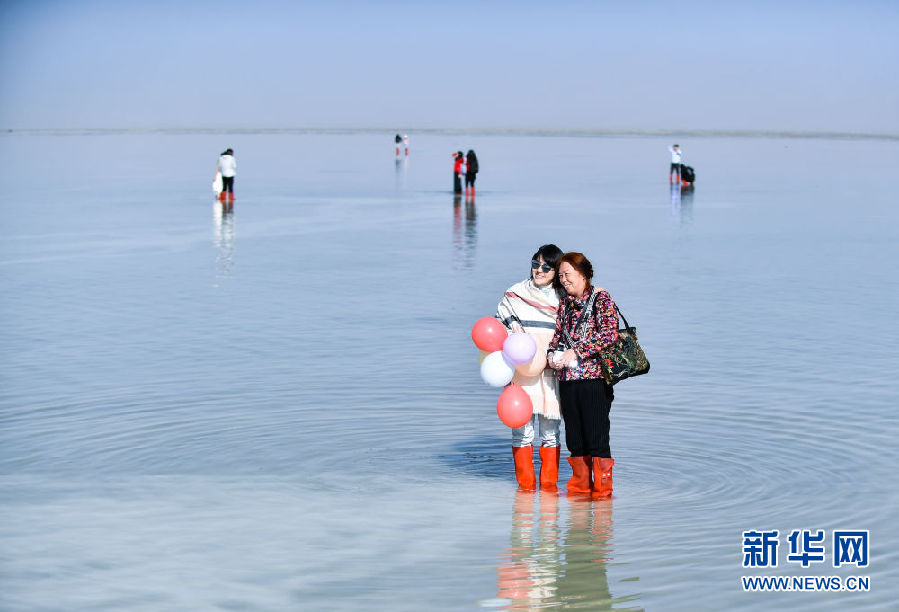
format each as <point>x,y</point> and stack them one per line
<point>539,132</point>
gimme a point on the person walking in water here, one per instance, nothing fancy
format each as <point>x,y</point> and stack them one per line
<point>227,165</point>
<point>399,141</point>
<point>676,157</point>
<point>458,169</point>
<point>471,172</point>
<point>531,306</point>
<point>406,144</point>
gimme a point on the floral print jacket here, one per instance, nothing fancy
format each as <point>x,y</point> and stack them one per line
<point>600,331</point>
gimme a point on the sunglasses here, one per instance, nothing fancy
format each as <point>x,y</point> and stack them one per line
<point>536,264</point>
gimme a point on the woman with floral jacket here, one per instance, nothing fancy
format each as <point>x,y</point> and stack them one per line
<point>587,323</point>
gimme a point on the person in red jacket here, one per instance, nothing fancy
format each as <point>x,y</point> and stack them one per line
<point>458,170</point>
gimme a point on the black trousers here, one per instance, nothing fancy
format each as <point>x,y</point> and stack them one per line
<point>585,408</point>
<point>228,184</point>
<point>457,182</point>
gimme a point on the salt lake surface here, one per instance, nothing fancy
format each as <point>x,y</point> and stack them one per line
<point>280,408</point>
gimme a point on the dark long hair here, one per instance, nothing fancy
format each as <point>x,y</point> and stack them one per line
<point>580,263</point>
<point>472,162</point>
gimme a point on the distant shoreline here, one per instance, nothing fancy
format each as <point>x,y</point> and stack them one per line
<point>533,132</point>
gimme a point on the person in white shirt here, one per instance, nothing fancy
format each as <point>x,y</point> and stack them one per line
<point>227,165</point>
<point>676,156</point>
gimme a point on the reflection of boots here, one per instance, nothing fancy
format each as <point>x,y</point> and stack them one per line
<point>580,479</point>
<point>549,467</point>
<point>602,476</point>
<point>524,467</point>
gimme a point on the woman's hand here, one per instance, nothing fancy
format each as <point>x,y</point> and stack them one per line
<point>551,362</point>
<point>567,358</point>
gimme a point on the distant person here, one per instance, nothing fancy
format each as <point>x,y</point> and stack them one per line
<point>676,157</point>
<point>227,165</point>
<point>530,306</point>
<point>458,169</point>
<point>471,172</point>
<point>587,324</point>
<point>399,141</point>
<point>406,143</point>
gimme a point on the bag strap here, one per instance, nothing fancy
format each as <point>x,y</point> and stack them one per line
<point>621,314</point>
<point>618,311</point>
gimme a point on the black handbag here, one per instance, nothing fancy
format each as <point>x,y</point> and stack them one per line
<point>625,358</point>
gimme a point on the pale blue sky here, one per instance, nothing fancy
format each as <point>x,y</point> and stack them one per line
<point>815,66</point>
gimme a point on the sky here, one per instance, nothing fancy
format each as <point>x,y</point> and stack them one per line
<point>819,66</point>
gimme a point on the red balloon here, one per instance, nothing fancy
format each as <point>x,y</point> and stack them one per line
<point>514,406</point>
<point>489,334</point>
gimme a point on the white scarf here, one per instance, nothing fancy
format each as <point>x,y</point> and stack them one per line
<point>530,306</point>
<point>535,310</point>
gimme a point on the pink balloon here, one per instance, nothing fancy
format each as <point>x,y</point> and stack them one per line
<point>514,406</point>
<point>519,348</point>
<point>489,334</point>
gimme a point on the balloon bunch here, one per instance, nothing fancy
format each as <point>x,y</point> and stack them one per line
<point>501,354</point>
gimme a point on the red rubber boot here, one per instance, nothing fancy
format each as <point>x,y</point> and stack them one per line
<point>580,479</point>
<point>549,467</point>
<point>602,476</point>
<point>524,467</point>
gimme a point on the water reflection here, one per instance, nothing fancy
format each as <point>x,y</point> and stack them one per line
<point>465,233</point>
<point>223,238</point>
<point>551,563</point>
<point>402,164</point>
<point>681,204</point>
<point>529,570</point>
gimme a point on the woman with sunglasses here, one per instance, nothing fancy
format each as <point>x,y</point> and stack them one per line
<point>586,325</point>
<point>530,306</point>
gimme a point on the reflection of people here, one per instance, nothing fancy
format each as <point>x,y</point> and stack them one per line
<point>676,157</point>
<point>223,220</point>
<point>227,165</point>
<point>530,567</point>
<point>586,324</point>
<point>471,172</point>
<point>530,306</point>
<point>458,163</point>
<point>587,547</point>
<point>554,561</point>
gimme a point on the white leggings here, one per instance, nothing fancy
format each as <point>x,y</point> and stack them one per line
<point>549,432</point>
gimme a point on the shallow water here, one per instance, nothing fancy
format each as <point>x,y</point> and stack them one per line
<point>279,407</point>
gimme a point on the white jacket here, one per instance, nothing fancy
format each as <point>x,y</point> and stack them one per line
<point>227,165</point>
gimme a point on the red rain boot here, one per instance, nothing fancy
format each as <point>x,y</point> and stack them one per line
<point>580,479</point>
<point>602,476</point>
<point>524,467</point>
<point>231,196</point>
<point>549,467</point>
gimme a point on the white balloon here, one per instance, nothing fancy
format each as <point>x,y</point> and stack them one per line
<point>496,371</point>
